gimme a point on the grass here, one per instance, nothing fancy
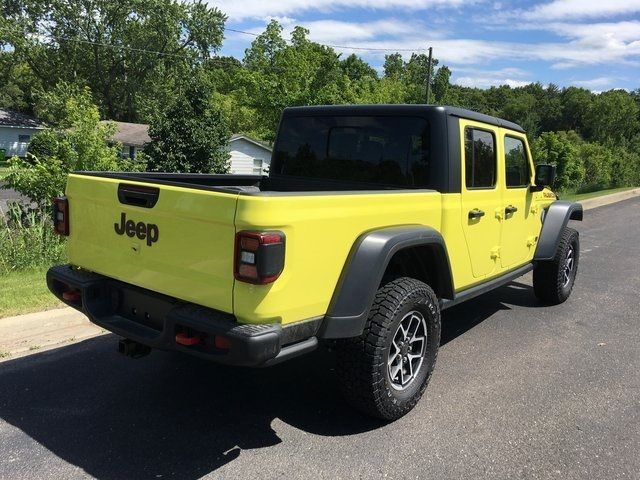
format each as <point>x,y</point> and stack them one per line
<point>25,292</point>
<point>576,197</point>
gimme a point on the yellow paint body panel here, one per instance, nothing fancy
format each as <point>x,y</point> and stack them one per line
<point>320,231</point>
<point>192,259</point>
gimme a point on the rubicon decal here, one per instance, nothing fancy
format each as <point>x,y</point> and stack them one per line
<point>148,231</point>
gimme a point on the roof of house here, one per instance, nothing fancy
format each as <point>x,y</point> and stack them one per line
<point>133,134</point>
<point>237,136</point>
<point>11,118</point>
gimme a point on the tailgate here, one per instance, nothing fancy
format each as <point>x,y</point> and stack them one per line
<point>180,244</point>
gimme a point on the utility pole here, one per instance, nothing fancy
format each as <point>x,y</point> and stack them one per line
<point>429,76</point>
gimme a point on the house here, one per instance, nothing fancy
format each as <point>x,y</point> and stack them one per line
<point>16,130</point>
<point>248,156</point>
<point>132,136</point>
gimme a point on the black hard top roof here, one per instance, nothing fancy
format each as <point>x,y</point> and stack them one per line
<point>400,109</point>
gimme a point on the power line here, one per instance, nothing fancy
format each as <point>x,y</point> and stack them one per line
<point>185,57</point>
<point>345,47</point>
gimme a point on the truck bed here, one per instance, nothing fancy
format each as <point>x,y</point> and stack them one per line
<point>244,184</point>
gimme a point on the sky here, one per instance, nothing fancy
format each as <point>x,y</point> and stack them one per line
<point>593,44</point>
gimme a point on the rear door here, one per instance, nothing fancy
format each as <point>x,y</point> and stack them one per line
<point>173,240</point>
<point>522,219</point>
<point>481,196</point>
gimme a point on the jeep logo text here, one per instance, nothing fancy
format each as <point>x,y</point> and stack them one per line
<point>141,230</point>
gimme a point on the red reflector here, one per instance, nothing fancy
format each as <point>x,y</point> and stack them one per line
<point>269,238</point>
<point>222,343</point>
<point>71,296</point>
<point>61,215</point>
<point>248,271</point>
<point>184,339</point>
<point>249,243</point>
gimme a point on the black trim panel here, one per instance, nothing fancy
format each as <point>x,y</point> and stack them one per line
<point>556,219</point>
<point>364,269</point>
<point>485,287</point>
<point>154,320</point>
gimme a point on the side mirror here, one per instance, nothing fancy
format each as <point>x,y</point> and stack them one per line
<point>545,175</point>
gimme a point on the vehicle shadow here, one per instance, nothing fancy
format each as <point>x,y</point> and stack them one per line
<point>173,415</point>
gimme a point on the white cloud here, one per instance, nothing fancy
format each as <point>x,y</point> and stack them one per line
<point>486,82</point>
<point>598,83</point>
<point>334,31</point>
<point>238,10</point>
<point>618,31</point>
<point>580,9</point>
<point>514,77</point>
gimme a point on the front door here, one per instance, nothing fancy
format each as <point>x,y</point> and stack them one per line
<point>481,196</point>
<point>522,219</point>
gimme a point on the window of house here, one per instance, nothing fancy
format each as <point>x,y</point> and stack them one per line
<point>257,166</point>
<point>132,151</point>
<point>517,166</point>
<point>24,138</point>
<point>479,158</point>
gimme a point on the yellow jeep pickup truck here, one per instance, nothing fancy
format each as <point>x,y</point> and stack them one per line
<point>372,220</point>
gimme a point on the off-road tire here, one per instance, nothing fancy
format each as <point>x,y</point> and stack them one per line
<point>362,362</point>
<point>549,281</point>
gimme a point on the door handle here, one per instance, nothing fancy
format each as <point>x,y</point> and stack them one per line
<point>475,213</point>
<point>510,210</point>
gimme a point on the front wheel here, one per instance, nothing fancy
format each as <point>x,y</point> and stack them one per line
<point>553,280</point>
<point>385,371</point>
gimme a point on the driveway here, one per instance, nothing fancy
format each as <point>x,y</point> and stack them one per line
<point>519,391</point>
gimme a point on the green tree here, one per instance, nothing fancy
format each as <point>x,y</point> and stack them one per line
<point>128,52</point>
<point>191,136</point>
<point>612,116</point>
<point>598,165</point>
<point>441,84</point>
<point>563,150</point>
<point>357,69</point>
<point>575,105</point>
<point>393,66</point>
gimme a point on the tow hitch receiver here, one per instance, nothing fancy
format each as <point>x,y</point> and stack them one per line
<point>133,349</point>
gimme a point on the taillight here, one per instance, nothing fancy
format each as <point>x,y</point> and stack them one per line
<point>259,256</point>
<point>61,215</point>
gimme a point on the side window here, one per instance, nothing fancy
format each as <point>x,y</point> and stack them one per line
<point>479,158</point>
<point>517,166</point>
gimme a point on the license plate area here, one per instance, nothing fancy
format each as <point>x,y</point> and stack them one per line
<point>141,307</point>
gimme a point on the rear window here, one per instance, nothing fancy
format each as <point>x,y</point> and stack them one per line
<point>388,151</point>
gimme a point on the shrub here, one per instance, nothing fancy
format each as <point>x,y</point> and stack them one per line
<point>598,162</point>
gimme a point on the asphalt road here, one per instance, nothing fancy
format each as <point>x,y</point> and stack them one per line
<point>519,391</point>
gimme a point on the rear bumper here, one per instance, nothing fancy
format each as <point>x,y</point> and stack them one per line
<point>154,320</point>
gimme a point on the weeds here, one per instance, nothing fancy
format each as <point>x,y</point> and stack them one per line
<point>27,240</point>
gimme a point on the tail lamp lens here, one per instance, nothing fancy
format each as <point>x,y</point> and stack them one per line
<point>259,256</point>
<point>61,215</point>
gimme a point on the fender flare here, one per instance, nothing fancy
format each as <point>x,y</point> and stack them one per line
<point>363,272</point>
<point>556,218</point>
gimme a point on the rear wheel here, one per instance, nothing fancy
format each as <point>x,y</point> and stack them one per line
<point>385,371</point>
<point>553,280</point>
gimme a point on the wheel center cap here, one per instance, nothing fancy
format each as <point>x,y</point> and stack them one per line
<point>404,349</point>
